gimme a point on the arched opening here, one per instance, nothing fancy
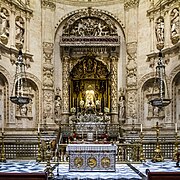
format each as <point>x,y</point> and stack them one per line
<point>89,88</point>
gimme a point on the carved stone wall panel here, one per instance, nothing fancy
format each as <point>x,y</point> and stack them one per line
<point>48,84</point>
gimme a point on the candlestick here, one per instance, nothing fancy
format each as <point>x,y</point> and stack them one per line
<point>141,127</point>
<point>176,127</point>
<point>38,127</point>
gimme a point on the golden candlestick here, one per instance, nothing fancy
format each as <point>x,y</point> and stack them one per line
<point>39,148</point>
<point>49,168</point>
<point>3,156</point>
<point>141,153</point>
<point>176,144</point>
<point>157,152</point>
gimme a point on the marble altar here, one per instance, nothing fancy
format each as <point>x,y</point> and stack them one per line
<point>92,157</point>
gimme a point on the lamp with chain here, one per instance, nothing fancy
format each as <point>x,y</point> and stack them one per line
<point>20,83</point>
<point>162,98</point>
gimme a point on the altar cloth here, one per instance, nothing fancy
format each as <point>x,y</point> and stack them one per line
<point>92,157</point>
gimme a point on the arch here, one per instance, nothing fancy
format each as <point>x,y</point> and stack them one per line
<point>89,12</point>
<point>4,99</point>
<point>175,88</point>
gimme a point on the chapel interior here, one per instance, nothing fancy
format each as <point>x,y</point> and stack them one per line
<point>83,72</point>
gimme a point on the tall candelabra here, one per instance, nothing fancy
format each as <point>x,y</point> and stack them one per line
<point>141,152</point>
<point>157,152</point>
<point>49,168</point>
<point>3,156</point>
<point>39,148</point>
<point>175,147</point>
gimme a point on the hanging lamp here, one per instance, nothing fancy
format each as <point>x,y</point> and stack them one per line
<point>160,83</point>
<point>18,95</point>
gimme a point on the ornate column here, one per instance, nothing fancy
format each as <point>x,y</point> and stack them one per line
<point>114,91</point>
<point>131,8</point>
<point>48,85</point>
<point>65,86</point>
<point>131,81</point>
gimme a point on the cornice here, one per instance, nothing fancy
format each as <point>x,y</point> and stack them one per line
<point>89,3</point>
<point>18,6</point>
<point>167,53</point>
<point>161,6</point>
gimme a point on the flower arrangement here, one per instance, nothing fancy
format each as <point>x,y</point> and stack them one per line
<point>73,110</point>
<point>106,109</point>
<point>81,103</point>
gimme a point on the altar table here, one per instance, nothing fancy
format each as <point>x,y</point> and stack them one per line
<point>92,157</point>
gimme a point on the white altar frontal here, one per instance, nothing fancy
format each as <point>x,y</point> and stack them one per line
<point>92,157</point>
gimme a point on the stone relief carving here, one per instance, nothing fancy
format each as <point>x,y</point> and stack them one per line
<point>131,66</point>
<point>90,22</point>
<point>48,68</point>
<point>19,35</point>
<point>159,30</point>
<point>4,25</point>
<point>132,98</point>
<point>175,25</point>
<point>48,4</point>
<point>48,83</point>
<point>48,99</point>
<point>150,92</point>
<point>89,67</point>
<point>90,27</point>
<point>131,3</point>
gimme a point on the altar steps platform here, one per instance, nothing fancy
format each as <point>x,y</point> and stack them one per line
<point>125,171</point>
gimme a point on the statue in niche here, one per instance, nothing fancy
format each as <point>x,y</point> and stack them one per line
<point>159,29</point>
<point>121,107</point>
<point>89,98</point>
<point>175,23</point>
<point>121,104</point>
<point>58,106</point>
<point>4,23</point>
<point>19,31</point>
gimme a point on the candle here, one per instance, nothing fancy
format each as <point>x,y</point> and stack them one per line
<point>38,127</point>
<point>176,127</point>
<point>141,127</point>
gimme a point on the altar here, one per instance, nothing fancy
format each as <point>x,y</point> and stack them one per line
<point>92,157</point>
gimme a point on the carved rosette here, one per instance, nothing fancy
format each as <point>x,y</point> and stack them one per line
<point>114,92</point>
<point>65,89</point>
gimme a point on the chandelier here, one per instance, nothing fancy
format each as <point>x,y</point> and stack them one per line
<point>18,95</point>
<point>160,85</point>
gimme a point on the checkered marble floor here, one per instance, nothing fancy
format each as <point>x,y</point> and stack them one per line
<point>61,172</point>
